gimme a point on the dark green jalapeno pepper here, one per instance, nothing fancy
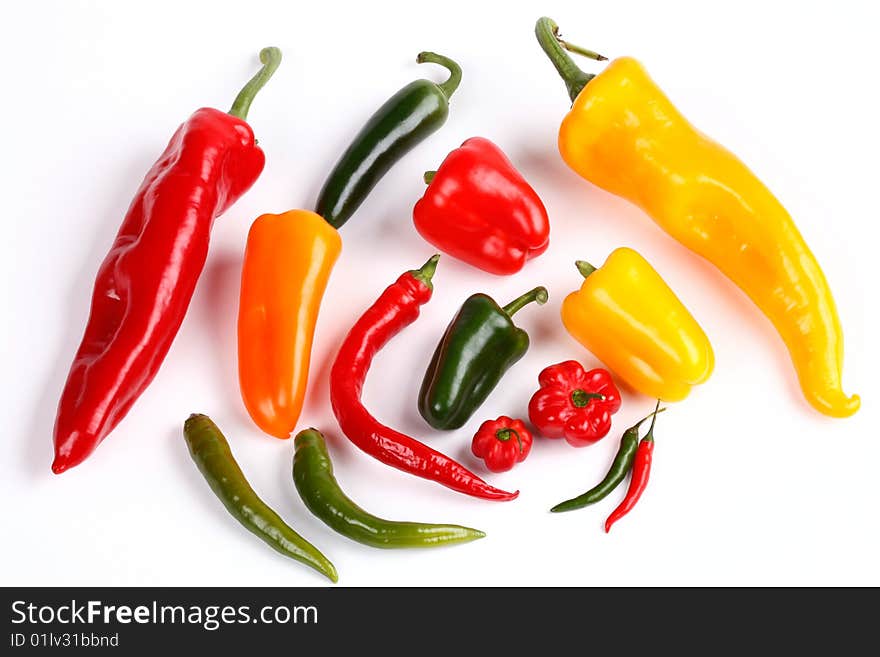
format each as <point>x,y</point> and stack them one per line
<point>318,488</point>
<point>477,348</point>
<point>408,117</point>
<point>210,451</point>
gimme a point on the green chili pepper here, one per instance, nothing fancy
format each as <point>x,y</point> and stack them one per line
<point>211,453</point>
<point>620,466</point>
<point>477,348</point>
<point>408,117</point>
<point>314,479</point>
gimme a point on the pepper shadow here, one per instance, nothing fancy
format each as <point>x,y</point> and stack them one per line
<point>37,450</point>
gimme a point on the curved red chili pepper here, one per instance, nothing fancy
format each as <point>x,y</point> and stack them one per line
<point>396,308</point>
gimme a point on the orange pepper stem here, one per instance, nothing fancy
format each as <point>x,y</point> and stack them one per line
<point>547,33</point>
<point>270,58</point>
<point>538,295</point>
<point>584,267</point>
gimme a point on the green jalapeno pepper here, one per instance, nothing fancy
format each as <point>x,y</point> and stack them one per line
<point>477,348</point>
<point>408,117</point>
<point>314,479</point>
<point>210,451</point>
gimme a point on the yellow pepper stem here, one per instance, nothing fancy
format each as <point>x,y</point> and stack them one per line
<point>547,33</point>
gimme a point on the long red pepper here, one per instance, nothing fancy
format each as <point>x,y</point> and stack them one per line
<point>396,308</point>
<point>641,471</point>
<point>145,283</point>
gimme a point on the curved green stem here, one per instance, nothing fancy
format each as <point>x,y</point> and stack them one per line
<point>539,295</point>
<point>426,271</point>
<point>448,88</point>
<point>584,267</point>
<point>547,33</point>
<point>429,177</point>
<point>270,58</point>
<point>504,435</point>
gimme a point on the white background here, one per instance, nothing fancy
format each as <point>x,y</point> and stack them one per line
<point>750,485</point>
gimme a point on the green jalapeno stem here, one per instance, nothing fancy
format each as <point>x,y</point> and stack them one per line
<point>539,295</point>
<point>270,58</point>
<point>448,88</point>
<point>547,32</point>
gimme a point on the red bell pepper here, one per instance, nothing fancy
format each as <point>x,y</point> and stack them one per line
<point>143,287</point>
<point>479,209</point>
<point>502,443</point>
<point>574,404</point>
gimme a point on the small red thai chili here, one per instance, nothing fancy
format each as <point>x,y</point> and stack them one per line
<point>641,470</point>
<point>396,308</point>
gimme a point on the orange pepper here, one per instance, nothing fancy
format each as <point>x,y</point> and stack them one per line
<point>287,262</point>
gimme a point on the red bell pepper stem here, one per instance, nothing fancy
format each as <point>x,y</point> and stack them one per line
<point>270,58</point>
<point>396,308</point>
<point>641,471</point>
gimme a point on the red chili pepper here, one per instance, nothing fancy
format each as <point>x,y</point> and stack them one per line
<point>574,404</point>
<point>396,308</point>
<point>502,443</point>
<point>478,208</point>
<point>143,287</point>
<point>641,470</point>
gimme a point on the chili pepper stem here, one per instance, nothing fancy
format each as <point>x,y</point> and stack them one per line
<point>448,88</point>
<point>547,33</point>
<point>650,435</point>
<point>539,295</point>
<point>504,435</point>
<point>581,398</point>
<point>429,177</point>
<point>270,58</point>
<point>426,271</point>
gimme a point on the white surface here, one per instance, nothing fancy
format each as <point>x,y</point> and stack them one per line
<point>750,486</point>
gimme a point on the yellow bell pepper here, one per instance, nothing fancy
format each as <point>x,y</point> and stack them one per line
<point>631,320</point>
<point>624,135</point>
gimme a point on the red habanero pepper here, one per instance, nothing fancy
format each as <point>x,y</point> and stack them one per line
<point>479,209</point>
<point>502,443</point>
<point>396,308</point>
<point>144,285</point>
<point>641,470</point>
<point>573,403</point>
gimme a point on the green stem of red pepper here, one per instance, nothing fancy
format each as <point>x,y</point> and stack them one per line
<point>270,58</point>
<point>504,435</point>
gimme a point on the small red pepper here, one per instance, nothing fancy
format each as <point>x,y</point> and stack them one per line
<point>144,286</point>
<point>574,404</point>
<point>478,208</point>
<point>502,443</point>
<point>641,471</point>
<point>396,308</point>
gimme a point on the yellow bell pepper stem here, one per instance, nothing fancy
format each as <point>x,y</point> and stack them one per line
<point>630,319</point>
<point>624,135</point>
